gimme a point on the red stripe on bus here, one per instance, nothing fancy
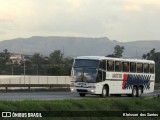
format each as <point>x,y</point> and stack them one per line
<point>125,76</point>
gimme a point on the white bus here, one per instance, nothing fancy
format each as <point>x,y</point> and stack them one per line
<point>106,76</point>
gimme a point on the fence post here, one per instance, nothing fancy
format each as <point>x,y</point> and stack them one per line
<point>29,82</point>
<point>65,79</point>
<point>38,79</point>
<point>20,80</point>
<point>9,80</point>
<point>57,79</point>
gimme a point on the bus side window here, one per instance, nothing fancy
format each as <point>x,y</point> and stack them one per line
<point>125,66</point>
<point>139,67</point>
<point>132,67</point>
<point>151,68</point>
<point>110,65</point>
<point>146,68</point>
<point>118,66</point>
<point>103,64</point>
<point>99,76</point>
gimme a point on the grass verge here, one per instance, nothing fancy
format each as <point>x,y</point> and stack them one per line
<point>96,104</point>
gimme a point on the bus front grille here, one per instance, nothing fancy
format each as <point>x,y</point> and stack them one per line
<point>81,90</point>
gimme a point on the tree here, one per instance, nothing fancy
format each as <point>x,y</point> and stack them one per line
<point>56,57</point>
<point>36,61</point>
<point>37,58</point>
<point>68,62</point>
<point>4,57</point>
<point>144,56</point>
<point>112,55</point>
<point>155,56</point>
<point>150,55</point>
<point>56,71</point>
<point>118,51</point>
<point>152,52</point>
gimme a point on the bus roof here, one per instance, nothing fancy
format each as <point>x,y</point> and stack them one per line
<point>112,58</point>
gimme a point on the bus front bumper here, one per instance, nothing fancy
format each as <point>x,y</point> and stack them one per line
<point>83,90</point>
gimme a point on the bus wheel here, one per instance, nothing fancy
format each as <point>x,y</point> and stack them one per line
<point>134,92</point>
<point>82,94</point>
<point>104,92</point>
<point>139,93</point>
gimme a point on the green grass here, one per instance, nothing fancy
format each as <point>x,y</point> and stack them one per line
<point>94,104</point>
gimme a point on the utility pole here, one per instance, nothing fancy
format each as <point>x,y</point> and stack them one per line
<point>12,65</point>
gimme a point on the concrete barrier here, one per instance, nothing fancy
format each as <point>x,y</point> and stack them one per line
<point>23,82</point>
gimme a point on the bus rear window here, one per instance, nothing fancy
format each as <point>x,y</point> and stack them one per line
<point>146,68</point>
<point>151,68</point>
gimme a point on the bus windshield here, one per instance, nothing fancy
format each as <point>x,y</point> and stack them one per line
<point>86,63</point>
<point>85,75</point>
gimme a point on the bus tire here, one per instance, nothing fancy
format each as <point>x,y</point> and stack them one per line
<point>139,92</point>
<point>104,91</point>
<point>134,91</point>
<point>82,94</point>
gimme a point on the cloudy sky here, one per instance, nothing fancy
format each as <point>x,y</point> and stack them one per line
<point>122,20</point>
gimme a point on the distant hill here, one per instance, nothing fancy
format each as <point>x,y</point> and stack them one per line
<point>76,46</point>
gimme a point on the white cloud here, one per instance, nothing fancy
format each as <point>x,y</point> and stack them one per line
<point>117,19</point>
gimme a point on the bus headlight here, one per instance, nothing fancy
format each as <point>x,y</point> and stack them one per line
<point>92,90</point>
<point>72,89</point>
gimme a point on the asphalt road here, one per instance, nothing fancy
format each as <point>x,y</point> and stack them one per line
<point>50,95</point>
